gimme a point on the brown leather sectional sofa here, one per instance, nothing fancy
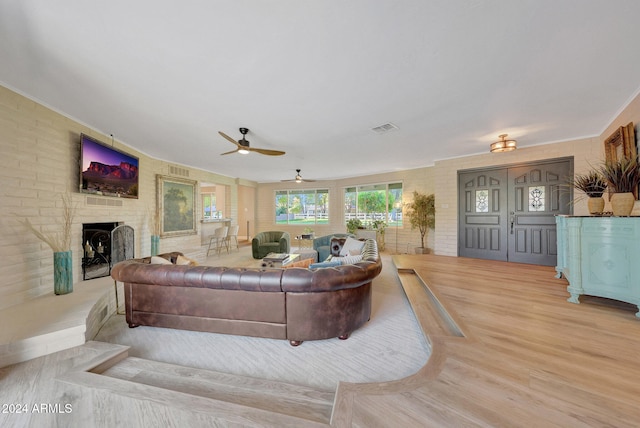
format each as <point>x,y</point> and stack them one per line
<point>296,304</point>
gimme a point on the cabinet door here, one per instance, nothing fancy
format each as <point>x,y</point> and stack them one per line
<point>609,258</point>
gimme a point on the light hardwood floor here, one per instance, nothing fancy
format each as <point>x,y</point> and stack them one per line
<point>508,350</point>
<point>527,357</point>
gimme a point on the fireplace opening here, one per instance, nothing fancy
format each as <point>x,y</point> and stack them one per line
<point>96,244</point>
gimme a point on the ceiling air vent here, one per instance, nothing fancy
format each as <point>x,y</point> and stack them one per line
<point>384,128</point>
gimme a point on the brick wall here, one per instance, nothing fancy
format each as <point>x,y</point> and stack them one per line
<point>40,161</point>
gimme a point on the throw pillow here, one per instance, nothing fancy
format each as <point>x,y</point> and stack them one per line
<point>155,260</point>
<point>300,263</point>
<point>370,250</point>
<point>182,260</point>
<point>351,244</point>
<point>349,260</point>
<point>336,244</point>
<point>324,265</point>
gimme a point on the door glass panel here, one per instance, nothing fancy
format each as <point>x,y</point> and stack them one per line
<point>482,201</point>
<point>536,198</point>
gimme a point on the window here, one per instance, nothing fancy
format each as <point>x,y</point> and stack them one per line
<point>302,207</point>
<point>536,198</point>
<point>482,201</point>
<point>209,205</point>
<point>214,197</point>
<point>374,202</point>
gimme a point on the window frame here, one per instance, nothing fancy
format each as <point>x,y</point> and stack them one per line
<point>392,215</point>
<point>304,217</point>
<point>212,199</point>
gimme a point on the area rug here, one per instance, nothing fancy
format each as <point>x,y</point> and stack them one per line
<point>389,347</point>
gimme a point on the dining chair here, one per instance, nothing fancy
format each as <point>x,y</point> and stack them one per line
<point>233,236</point>
<point>218,239</point>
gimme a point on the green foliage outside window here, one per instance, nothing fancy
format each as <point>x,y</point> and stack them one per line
<point>302,207</point>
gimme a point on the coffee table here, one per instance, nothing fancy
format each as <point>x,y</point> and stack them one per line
<point>269,261</point>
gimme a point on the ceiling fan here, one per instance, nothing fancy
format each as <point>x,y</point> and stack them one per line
<point>244,148</point>
<point>299,178</point>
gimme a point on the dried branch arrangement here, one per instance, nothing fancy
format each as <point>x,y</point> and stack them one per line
<point>61,239</point>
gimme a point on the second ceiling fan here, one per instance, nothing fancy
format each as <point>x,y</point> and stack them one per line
<point>243,146</point>
<point>299,179</point>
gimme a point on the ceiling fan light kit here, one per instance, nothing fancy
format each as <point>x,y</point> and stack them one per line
<point>503,145</point>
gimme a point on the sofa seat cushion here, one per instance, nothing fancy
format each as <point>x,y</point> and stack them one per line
<point>275,246</point>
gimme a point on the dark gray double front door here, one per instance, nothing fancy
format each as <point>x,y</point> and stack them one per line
<point>508,213</point>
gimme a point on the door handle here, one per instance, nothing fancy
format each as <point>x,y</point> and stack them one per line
<point>512,220</point>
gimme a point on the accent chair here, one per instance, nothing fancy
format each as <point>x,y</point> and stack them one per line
<point>270,242</point>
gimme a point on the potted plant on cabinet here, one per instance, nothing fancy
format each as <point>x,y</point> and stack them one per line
<point>622,177</point>
<point>593,185</point>
<point>422,216</point>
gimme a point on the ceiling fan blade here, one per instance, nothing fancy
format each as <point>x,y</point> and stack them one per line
<point>229,138</point>
<point>308,181</point>
<point>228,153</point>
<point>266,151</point>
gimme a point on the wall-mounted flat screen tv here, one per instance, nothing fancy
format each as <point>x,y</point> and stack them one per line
<point>106,170</point>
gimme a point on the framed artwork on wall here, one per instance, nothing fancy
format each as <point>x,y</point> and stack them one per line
<point>177,206</point>
<point>622,143</point>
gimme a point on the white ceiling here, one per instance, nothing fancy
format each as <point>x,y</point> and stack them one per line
<point>313,78</point>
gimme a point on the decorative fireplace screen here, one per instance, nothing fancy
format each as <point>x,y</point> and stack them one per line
<point>104,245</point>
<point>122,244</point>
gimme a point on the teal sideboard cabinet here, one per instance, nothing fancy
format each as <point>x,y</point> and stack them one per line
<point>600,256</point>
